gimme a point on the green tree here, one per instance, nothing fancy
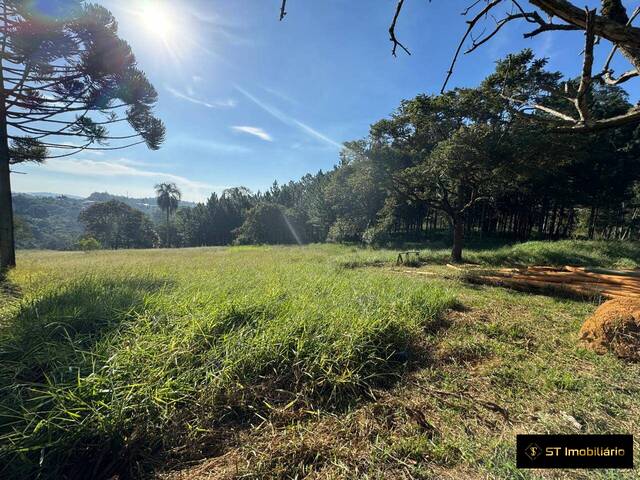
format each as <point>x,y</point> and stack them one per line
<point>66,75</point>
<point>116,225</point>
<point>168,197</point>
<point>22,230</point>
<point>354,193</point>
<point>268,223</point>
<point>89,244</point>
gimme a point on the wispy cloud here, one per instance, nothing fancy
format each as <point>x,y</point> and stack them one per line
<point>62,150</point>
<point>289,120</point>
<point>118,168</point>
<point>189,97</point>
<point>316,134</point>
<point>280,95</point>
<point>255,131</point>
<point>211,145</point>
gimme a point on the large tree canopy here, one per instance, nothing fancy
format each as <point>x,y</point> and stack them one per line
<point>614,25</point>
<point>116,225</point>
<point>66,77</point>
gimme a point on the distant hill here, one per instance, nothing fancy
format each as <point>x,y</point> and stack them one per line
<point>47,220</point>
<point>144,204</point>
<point>51,195</point>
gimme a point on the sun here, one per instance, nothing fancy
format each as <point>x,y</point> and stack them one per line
<point>163,27</point>
<point>157,20</point>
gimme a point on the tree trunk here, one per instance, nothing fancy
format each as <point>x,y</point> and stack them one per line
<point>167,228</point>
<point>7,242</point>
<point>458,240</point>
<point>592,223</point>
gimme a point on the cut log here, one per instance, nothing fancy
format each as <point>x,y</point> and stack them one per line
<point>606,271</point>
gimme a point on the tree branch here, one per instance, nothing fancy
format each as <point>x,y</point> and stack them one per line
<point>542,108</point>
<point>471,24</point>
<point>392,31</point>
<point>587,66</point>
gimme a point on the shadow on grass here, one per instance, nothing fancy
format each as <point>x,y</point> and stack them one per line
<point>59,327</point>
<point>8,289</point>
<point>578,253</point>
<point>45,347</point>
<point>57,427</point>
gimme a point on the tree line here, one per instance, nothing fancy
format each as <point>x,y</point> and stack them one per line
<point>485,161</point>
<point>490,160</point>
<point>462,163</point>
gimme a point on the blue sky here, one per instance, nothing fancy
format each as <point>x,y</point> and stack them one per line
<point>248,99</point>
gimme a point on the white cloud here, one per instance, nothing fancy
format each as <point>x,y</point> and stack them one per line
<point>227,103</point>
<point>118,168</point>
<point>284,118</point>
<point>212,145</point>
<point>255,131</point>
<point>316,134</point>
<point>63,151</point>
<point>282,96</point>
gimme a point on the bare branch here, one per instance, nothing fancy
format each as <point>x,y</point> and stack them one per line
<point>607,73</point>
<point>632,116</point>
<point>608,78</point>
<point>472,23</point>
<point>470,7</point>
<point>392,31</point>
<point>542,108</point>
<point>615,32</point>
<point>283,11</point>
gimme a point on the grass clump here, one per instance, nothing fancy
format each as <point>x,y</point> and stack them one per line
<point>109,361</point>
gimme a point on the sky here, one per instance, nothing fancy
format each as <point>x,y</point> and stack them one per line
<point>248,99</point>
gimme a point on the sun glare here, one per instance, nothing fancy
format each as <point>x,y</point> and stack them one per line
<point>157,20</point>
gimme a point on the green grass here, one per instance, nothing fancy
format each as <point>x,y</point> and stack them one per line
<point>290,362</point>
<point>612,254</point>
<point>110,357</point>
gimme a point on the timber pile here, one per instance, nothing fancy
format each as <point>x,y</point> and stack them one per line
<point>588,282</point>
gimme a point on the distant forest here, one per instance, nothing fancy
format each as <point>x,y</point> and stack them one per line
<point>458,165</point>
<point>51,221</point>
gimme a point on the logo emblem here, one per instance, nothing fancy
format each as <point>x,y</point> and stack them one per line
<point>533,451</point>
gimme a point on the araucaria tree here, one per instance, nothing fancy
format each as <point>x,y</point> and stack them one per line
<point>168,198</point>
<point>66,77</point>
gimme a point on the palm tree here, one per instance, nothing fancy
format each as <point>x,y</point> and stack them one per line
<point>168,197</point>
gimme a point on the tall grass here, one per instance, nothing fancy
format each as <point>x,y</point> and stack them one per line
<point>110,359</point>
<point>609,254</point>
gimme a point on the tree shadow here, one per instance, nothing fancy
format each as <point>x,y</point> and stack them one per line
<point>46,345</point>
<point>8,289</point>
<point>55,330</point>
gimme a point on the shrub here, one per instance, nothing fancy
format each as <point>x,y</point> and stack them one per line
<point>377,235</point>
<point>89,244</point>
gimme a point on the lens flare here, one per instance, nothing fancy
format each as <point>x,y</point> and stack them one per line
<point>156,19</point>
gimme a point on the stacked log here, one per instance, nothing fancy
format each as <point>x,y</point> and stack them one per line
<point>589,282</point>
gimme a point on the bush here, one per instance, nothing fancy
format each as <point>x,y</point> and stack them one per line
<point>89,244</point>
<point>376,236</point>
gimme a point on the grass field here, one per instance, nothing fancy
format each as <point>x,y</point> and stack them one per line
<point>292,362</point>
